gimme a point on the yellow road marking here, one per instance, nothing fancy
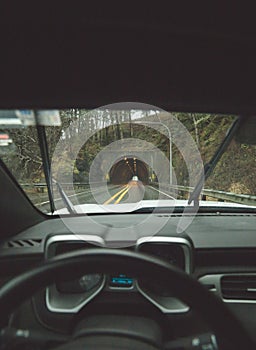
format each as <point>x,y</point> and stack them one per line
<point>115,195</point>
<point>122,195</point>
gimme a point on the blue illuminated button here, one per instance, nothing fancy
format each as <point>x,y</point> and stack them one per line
<point>121,281</point>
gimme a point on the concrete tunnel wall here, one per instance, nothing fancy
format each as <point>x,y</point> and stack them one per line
<point>123,171</point>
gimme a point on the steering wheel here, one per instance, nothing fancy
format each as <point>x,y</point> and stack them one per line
<point>184,287</point>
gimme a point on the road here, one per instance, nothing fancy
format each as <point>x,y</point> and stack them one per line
<point>135,191</point>
<point>132,192</point>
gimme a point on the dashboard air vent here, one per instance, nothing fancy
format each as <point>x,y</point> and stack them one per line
<point>23,243</point>
<point>239,287</point>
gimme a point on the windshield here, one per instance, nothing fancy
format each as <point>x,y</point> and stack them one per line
<point>129,156</point>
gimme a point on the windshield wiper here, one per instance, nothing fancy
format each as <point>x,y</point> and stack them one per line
<point>65,198</point>
<point>47,170</point>
<point>209,167</point>
<point>46,160</point>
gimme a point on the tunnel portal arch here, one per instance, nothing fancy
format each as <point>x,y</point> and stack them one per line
<point>125,168</point>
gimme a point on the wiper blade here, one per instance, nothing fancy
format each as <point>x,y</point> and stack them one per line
<point>65,198</point>
<point>209,167</point>
<point>47,170</point>
<point>46,160</point>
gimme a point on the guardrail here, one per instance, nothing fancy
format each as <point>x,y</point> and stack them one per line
<point>219,195</point>
<point>230,197</point>
<point>42,187</point>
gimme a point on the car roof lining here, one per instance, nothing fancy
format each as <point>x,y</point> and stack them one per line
<point>196,59</point>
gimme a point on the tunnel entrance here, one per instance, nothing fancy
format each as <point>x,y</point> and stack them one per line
<point>128,167</point>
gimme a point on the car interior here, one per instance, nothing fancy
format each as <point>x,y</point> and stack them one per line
<point>67,283</point>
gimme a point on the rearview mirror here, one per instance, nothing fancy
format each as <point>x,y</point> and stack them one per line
<point>11,118</point>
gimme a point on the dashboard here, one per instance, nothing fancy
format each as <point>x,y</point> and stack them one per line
<point>217,249</point>
<point>72,296</point>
